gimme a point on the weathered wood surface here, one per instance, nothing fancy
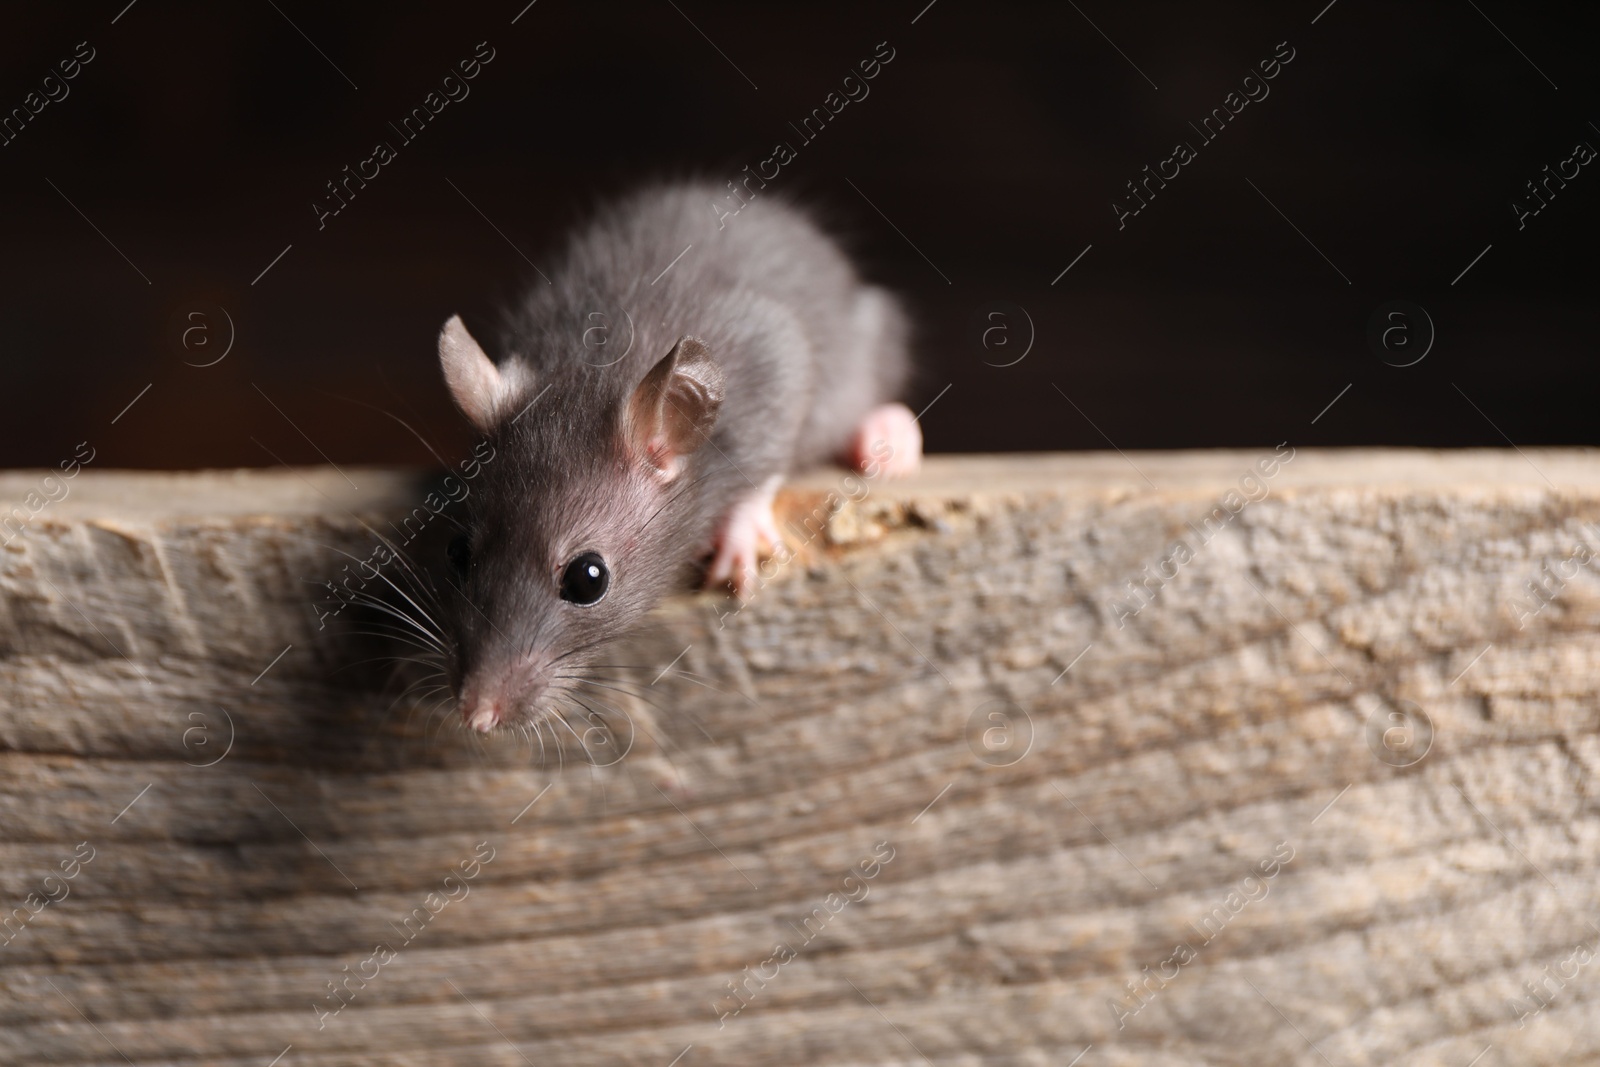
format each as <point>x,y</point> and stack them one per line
<point>258,823</point>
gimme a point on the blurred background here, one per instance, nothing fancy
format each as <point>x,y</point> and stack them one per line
<point>175,176</point>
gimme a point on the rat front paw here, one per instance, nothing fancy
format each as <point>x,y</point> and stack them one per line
<point>744,532</point>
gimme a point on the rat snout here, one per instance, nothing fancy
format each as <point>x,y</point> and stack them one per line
<point>490,698</point>
<point>480,712</point>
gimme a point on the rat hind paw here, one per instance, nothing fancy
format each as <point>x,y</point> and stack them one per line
<point>888,442</point>
<point>741,535</point>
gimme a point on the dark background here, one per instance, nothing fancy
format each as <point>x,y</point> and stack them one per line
<point>199,136</point>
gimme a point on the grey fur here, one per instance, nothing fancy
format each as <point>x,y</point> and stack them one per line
<point>805,349</point>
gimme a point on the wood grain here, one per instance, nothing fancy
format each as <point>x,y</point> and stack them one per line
<point>1069,790</point>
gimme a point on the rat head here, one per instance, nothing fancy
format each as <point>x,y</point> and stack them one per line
<point>579,527</point>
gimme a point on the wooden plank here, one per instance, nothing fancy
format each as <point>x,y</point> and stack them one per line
<point>1082,786</point>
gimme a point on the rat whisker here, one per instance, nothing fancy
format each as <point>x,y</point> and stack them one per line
<point>693,484</point>
<point>439,683</point>
<point>406,637</point>
<point>421,694</point>
<point>637,695</point>
<point>543,719</point>
<point>423,697</point>
<point>447,517</point>
<point>661,742</point>
<point>611,685</point>
<point>617,685</point>
<point>339,551</point>
<point>361,596</point>
<point>686,675</point>
<point>592,715</point>
<point>538,733</point>
<point>396,418</point>
<point>423,582</point>
<point>436,637</point>
<point>583,683</point>
<point>443,713</point>
<point>580,648</point>
<point>435,676</point>
<point>423,611</point>
<point>563,702</point>
<point>427,657</point>
<point>430,711</point>
<point>444,720</point>
<point>693,679</point>
<point>642,693</point>
<point>387,384</point>
<point>634,688</point>
<point>562,719</point>
<point>527,736</point>
<point>377,571</point>
<point>400,636</point>
<point>381,659</point>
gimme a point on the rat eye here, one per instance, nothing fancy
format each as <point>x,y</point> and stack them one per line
<point>460,552</point>
<point>585,579</point>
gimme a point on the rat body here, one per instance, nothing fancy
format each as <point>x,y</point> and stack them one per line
<point>656,392</point>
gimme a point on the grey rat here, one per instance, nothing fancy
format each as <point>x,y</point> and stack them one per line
<point>752,350</point>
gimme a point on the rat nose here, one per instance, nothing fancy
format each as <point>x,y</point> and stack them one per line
<point>481,711</point>
<point>482,718</point>
<point>496,693</point>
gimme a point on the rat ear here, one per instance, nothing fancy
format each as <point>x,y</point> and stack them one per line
<point>673,410</point>
<point>478,386</point>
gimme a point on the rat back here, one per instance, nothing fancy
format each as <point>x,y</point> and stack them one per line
<point>806,347</point>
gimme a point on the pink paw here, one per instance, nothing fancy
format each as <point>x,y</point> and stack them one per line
<point>744,532</point>
<point>888,442</point>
